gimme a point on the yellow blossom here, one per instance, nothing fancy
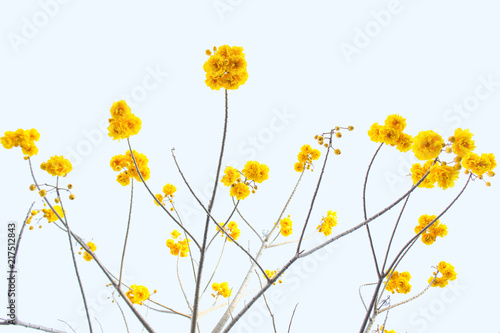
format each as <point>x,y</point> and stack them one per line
<point>448,274</point>
<point>462,143</point>
<point>57,166</point>
<point>255,171</point>
<point>479,165</point>
<point>399,283</point>
<point>86,255</point>
<point>221,289</point>
<point>137,294</point>
<point>327,223</point>
<point>226,68</point>
<point>123,123</point>
<point>126,163</point>
<point>230,176</point>
<point>286,226</point>
<point>50,215</point>
<point>240,191</point>
<point>437,229</point>
<point>169,190</point>
<point>427,145</point>
<point>21,138</point>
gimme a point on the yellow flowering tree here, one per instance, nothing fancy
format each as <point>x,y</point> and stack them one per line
<point>442,164</point>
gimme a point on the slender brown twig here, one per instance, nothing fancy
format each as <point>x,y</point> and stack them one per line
<point>128,229</point>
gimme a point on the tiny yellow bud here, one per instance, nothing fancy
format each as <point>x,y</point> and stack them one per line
<point>70,186</point>
<point>208,52</point>
<point>26,157</point>
<point>40,226</point>
<point>326,145</point>
<point>172,209</point>
<point>443,163</point>
<point>480,176</point>
<point>337,151</point>
<point>320,138</point>
<point>488,184</point>
<point>350,128</point>
<point>337,128</point>
<point>451,139</point>
<point>457,166</point>
<point>71,197</point>
<point>42,193</point>
<point>491,173</point>
<point>56,200</point>
<point>458,159</point>
<point>316,137</point>
<point>32,187</point>
<point>31,227</point>
<point>338,135</point>
<point>466,172</point>
<point>215,49</point>
<point>448,150</point>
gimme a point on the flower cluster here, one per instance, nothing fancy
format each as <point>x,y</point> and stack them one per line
<point>391,133</point>
<point>286,226</point>
<point>21,138</point>
<point>221,289</point>
<point>50,215</point>
<point>125,164</point>
<point>180,247</point>
<point>327,223</point>
<point>272,274</point>
<point>231,228</point>
<point>137,294</point>
<point>399,282</point>
<point>226,68</point>
<point>448,274</point>
<point>305,157</point>
<point>86,255</point>
<point>442,174</point>
<point>57,166</point>
<point>168,191</point>
<point>435,230</point>
<point>382,329</point>
<point>123,123</point>
<point>253,171</point>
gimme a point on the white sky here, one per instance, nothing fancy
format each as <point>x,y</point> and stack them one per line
<point>312,66</point>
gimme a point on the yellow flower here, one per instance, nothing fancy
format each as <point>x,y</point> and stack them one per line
<point>418,171</point>
<point>86,255</point>
<point>160,199</point>
<point>57,166</point>
<point>123,123</point>
<point>230,176</point>
<point>169,190</point>
<point>444,175</point>
<point>21,138</point>
<point>437,229</point>
<point>231,228</point>
<point>327,223</point>
<point>286,226</point>
<point>240,191</point>
<point>255,171</point>
<point>463,142</point>
<point>389,135</point>
<point>298,166</point>
<point>306,155</point>
<point>120,162</point>
<point>374,132</point>
<point>137,294</point>
<point>448,274</point>
<point>272,274</point>
<point>179,248</point>
<point>479,164</point>
<point>427,145</point>
<point>50,215</point>
<point>226,68</point>
<point>399,283</point>
<point>221,289</point>
<point>396,122</point>
<point>404,142</point>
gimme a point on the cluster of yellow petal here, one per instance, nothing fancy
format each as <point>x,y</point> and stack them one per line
<point>231,228</point>
<point>137,294</point>
<point>306,155</point>
<point>123,123</point>
<point>382,329</point>
<point>435,230</point>
<point>427,145</point>
<point>21,138</point>
<point>391,133</point>
<point>327,223</point>
<point>448,274</point>
<point>442,174</point>
<point>57,166</point>
<point>180,247</point>
<point>168,191</point>
<point>272,274</point>
<point>121,162</point>
<point>226,68</point>
<point>462,142</point>
<point>286,226</point>
<point>399,282</point>
<point>50,215</point>
<point>253,171</point>
<point>479,165</point>
<point>86,255</point>
<point>221,289</point>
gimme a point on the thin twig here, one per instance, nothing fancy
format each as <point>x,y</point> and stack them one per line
<point>182,287</point>
<point>128,228</point>
<point>244,220</point>
<point>73,255</point>
<point>121,311</point>
<point>267,305</point>
<point>364,210</point>
<point>155,198</point>
<point>194,319</point>
<point>215,269</point>
<point>293,314</point>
